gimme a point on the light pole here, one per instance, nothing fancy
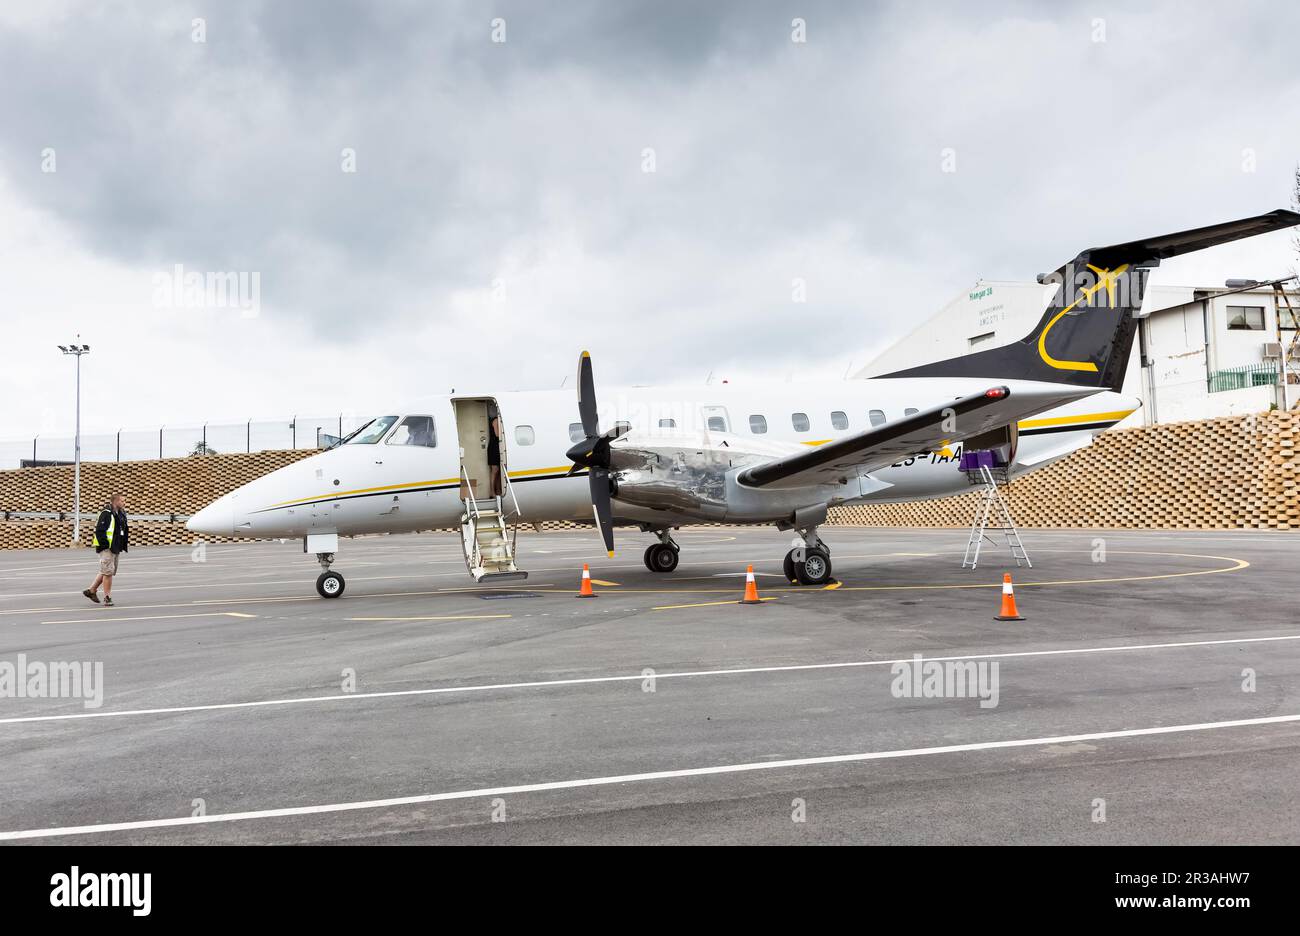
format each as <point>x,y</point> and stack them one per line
<point>76,350</point>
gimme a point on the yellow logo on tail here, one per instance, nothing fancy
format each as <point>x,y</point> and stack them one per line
<point>1106,279</point>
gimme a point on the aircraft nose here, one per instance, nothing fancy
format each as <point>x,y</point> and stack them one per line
<point>216,519</point>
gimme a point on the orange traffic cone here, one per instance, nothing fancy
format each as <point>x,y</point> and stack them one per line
<point>585,591</point>
<point>1009,612</point>
<point>751,588</point>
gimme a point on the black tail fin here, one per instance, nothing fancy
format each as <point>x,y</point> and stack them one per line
<point>1086,333</point>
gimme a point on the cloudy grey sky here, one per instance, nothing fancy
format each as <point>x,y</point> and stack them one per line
<point>500,217</point>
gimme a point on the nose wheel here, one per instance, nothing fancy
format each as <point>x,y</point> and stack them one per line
<point>807,565</point>
<point>330,585</point>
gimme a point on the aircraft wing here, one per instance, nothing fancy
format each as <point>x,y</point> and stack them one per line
<point>881,446</point>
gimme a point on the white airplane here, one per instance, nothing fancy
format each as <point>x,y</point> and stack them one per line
<point>780,453</point>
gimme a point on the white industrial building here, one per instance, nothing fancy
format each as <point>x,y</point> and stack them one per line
<point>1201,351</point>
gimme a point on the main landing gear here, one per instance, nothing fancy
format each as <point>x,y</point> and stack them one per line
<point>663,555</point>
<point>328,584</point>
<point>809,564</point>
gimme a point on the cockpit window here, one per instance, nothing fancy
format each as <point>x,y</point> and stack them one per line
<point>414,430</point>
<point>372,431</point>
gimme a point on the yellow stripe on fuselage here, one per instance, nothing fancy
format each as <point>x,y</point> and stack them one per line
<point>409,484</point>
<point>1115,416</point>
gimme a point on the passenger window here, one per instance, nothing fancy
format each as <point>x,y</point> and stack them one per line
<point>717,424</point>
<point>758,424</point>
<point>667,424</point>
<point>575,432</point>
<point>622,428</point>
<point>524,435</point>
<point>414,430</point>
<point>800,422</point>
<point>877,417</point>
<point>373,431</point>
<point>839,420</point>
<point>911,411</point>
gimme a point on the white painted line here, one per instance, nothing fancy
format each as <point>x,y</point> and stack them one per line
<point>110,616</point>
<point>443,617</point>
<point>637,778</point>
<point>595,680</point>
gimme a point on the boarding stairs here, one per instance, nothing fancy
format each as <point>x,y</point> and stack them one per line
<point>992,515</point>
<point>488,529</point>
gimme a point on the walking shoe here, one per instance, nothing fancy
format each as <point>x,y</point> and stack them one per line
<point>91,595</point>
<point>108,601</point>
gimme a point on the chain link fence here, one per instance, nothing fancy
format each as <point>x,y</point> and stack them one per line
<point>254,435</point>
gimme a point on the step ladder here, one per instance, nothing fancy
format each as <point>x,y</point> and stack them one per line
<point>488,533</point>
<point>993,514</point>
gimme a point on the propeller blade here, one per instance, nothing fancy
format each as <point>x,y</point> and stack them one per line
<point>587,396</point>
<point>601,507</point>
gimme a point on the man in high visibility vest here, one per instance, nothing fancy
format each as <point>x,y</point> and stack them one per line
<point>110,543</point>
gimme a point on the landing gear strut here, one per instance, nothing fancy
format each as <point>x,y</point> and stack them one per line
<point>663,555</point>
<point>809,564</point>
<point>329,584</point>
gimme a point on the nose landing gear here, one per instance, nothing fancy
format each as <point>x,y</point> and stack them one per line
<point>328,584</point>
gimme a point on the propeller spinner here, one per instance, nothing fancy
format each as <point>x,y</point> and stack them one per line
<point>592,453</point>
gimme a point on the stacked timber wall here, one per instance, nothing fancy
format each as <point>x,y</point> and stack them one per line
<point>1237,472</point>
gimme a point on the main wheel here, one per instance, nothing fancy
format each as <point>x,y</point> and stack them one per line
<point>330,585</point>
<point>815,568</point>
<point>661,557</point>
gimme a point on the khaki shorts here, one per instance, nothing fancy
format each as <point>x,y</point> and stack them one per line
<point>108,562</point>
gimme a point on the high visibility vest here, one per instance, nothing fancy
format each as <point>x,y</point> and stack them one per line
<point>112,528</point>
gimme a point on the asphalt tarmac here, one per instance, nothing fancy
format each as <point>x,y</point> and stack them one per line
<point>1151,695</point>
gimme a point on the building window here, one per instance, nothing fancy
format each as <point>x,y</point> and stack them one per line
<point>758,424</point>
<point>575,432</point>
<point>911,411</point>
<point>980,339</point>
<point>800,422</point>
<point>1245,318</point>
<point>524,435</point>
<point>667,424</point>
<point>839,420</point>
<point>877,417</point>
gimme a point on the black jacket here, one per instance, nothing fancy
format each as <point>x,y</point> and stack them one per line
<point>119,531</point>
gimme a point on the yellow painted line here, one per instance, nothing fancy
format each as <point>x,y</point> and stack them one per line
<point>603,582</point>
<point>443,617</point>
<point>832,586</point>
<point>704,604</point>
<point>151,617</point>
<point>817,442</point>
<point>1070,420</point>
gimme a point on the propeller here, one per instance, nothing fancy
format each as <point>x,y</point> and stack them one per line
<point>592,453</point>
